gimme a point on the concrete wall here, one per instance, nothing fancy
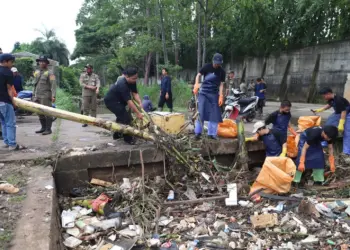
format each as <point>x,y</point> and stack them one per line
<point>333,69</point>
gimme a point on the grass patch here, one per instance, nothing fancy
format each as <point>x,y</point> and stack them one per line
<point>5,238</point>
<point>182,93</point>
<point>14,179</point>
<point>64,100</point>
<point>56,133</point>
<point>18,198</point>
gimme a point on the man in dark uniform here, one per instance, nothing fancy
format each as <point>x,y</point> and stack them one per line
<point>341,116</point>
<point>165,92</point>
<point>274,142</point>
<point>211,96</point>
<point>120,95</point>
<point>260,90</point>
<point>281,119</point>
<point>310,152</point>
<point>44,92</point>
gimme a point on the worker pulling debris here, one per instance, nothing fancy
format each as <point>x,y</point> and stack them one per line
<point>118,97</point>
<point>310,152</point>
<point>210,96</point>
<point>275,144</point>
<point>281,119</point>
<point>340,117</point>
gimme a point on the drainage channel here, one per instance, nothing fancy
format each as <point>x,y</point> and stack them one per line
<point>73,172</point>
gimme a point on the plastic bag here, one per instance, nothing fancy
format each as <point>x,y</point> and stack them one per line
<point>306,122</point>
<point>227,129</point>
<point>276,175</point>
<point>292,148</point>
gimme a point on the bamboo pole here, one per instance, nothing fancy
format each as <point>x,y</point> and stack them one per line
<point>109,125</point>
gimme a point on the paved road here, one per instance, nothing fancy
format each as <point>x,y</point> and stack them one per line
<point>70,134</point>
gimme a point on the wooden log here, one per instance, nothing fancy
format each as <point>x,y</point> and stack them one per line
<point>241,158</point>
<point>109,125</point>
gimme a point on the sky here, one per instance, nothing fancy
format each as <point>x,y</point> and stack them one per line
<point>20,18</point>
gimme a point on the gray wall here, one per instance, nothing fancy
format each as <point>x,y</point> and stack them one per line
<point>333,68</point>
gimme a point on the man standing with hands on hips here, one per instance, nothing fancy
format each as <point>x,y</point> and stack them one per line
<point>210,97</point>
<point>90,83</point>
<point>44,92</point>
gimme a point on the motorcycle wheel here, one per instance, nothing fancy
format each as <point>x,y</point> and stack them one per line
<point>251,116</point>
<point>225,115</point>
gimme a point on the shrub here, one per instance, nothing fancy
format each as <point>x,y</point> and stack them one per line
<point>25,67</point>
<point>64,100</point>
<point>69,80</point>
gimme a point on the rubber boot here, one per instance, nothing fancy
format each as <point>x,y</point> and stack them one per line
<point>43,126</point>
<point>171,110</point>
<point>48,130</point>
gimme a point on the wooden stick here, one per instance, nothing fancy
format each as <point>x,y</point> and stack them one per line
<point>222,197</point>
<point>143,178</point>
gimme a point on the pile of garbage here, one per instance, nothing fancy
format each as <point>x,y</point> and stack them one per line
<point>143,214</point>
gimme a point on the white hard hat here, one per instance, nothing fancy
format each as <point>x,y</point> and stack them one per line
<point>14,70</point>
<point>258,125</point>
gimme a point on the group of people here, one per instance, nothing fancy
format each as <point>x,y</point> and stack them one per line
<point>10,84</point>
<point>312,140</point>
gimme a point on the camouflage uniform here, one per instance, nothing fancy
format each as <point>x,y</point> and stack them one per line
<point>44,91</point>
<point>89,95</point>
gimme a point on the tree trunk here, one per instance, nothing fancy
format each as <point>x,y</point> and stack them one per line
<point>205,31</point>
<point>199,41</point>
<point>148,58</point>
<point>165,53</point>
<point>111,126</point>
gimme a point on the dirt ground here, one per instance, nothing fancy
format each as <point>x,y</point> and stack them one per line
<point>11,204</point>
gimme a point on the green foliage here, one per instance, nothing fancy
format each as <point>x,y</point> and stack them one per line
<point>182,93</point>
<point>25,67</point>
<point>103,91</point>
<point>172,69</point>
<point>64,100</point>
<point>69,80</point>
<point>20,47</point>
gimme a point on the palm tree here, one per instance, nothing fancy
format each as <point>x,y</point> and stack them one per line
<point>51,46</point>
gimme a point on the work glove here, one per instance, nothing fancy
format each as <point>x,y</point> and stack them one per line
<point>196,89</point>
<point>292,131</point>
<point>284,152</point>
<point>221,100</point>
<point>341,125</point>
<point>317,110</point>
<point>301,166</point>
<point>249,139</point>
<point>332,163</point>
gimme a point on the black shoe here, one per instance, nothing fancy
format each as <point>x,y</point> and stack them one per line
<point>117,135</point>
<point>43,126</point>
<point>47,132</point>
<point>211,137</point>
<point>84,125</point>
<point>130,142</point>
<point>318,183</point>
<point>198,137</point>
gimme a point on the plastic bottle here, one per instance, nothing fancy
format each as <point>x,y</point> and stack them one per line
<point>171,195</point>
<point>192,245</point>
<point>106,224</point>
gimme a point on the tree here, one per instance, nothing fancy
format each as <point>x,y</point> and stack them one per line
<point>51,46</point>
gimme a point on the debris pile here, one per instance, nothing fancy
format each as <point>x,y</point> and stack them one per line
<point>203,213</point>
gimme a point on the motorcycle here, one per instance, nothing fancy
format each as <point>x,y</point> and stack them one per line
<point>27,95</point>
<point>238,104</point>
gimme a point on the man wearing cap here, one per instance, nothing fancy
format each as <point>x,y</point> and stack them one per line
<point>260,90</point>
<point>7,105</point>
<point>44,92</point>
<point>274,142</point>
<point>341,116</point>
<point>17,80</point>
<point>211,96</point>
<point>310,152</point>
<point>90,83</point>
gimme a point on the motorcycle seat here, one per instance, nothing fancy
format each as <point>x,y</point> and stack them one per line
<point>246,101</point>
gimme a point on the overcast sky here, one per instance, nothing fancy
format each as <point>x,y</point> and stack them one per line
<point>20,18</point>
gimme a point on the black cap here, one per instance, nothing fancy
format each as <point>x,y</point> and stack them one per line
<point>326,90</point>
<point>43,58</point>
<point>331,132</point>
<point>217,59</point>
<point>6,57</point>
